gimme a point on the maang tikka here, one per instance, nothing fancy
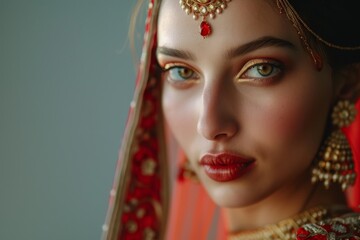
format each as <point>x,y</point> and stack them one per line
<point>204,8</point>
<point>335,160</point>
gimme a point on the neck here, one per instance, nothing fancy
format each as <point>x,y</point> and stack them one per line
<point>285,203</point>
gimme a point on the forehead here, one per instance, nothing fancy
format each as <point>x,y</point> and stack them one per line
<point>242,21</point>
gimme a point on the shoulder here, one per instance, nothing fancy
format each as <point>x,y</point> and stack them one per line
<point>346,226</point>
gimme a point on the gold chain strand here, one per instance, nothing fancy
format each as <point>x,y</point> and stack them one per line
<point>283,230</point>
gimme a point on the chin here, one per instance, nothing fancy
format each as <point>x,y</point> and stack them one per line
<point>228,197</point>
<point>232,203</point>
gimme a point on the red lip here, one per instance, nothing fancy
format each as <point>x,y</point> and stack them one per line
<point>225,167</point>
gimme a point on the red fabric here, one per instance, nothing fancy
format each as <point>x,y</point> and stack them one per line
<point>353,134</point>
<point>191,210</point>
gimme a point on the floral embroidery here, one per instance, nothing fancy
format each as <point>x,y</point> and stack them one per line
<point>346,227</point>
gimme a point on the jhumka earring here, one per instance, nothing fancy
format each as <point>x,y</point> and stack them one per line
<point>204,8</point>
<point>186,172</point>
<point>335,160</point>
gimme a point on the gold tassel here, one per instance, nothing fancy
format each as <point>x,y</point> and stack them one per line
<point>335,160</point>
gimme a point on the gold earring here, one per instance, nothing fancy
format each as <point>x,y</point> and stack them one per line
<point>186,172</point>
<point>335,160</point>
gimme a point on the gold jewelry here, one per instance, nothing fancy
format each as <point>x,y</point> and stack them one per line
<point>204,8</point>
<point>335,160</point>
<point>186,172</point>
<point>285,7</point>
<point>297,21</point>
<point>285,229</point>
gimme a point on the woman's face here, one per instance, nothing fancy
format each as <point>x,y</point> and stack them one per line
<point>246,104</point>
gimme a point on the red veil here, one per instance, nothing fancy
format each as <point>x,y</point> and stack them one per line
<point>353,135</point>
<point>141,203</point>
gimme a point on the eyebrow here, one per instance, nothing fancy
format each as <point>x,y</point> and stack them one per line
<point>262,42</point>
<point>266,41</point>
<point>175,53</point>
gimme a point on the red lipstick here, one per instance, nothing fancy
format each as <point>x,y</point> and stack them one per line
<point>225,167</point>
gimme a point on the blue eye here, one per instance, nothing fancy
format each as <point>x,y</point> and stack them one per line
<point>181,74</point>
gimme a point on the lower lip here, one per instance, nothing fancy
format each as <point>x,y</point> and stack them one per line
<point>228,172</point>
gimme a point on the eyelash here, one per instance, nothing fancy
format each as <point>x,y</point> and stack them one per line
<point>172,69</point>
<point>276,70</point>
<point>172,74</point>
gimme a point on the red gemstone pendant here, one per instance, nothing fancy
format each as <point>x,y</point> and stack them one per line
<point>205,29</point>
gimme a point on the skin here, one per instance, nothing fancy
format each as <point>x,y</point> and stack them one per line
<point>222,104</point>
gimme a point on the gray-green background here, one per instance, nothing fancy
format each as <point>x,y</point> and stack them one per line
<point>66,81</point>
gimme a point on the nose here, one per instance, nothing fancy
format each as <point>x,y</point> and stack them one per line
<point>218,118</point>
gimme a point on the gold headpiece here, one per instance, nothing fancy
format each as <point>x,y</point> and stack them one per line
<point>204,8</point>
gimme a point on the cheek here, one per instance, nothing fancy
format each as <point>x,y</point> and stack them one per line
<point>294,118</point>
<point>180,115</point>
<point>294,121</point>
